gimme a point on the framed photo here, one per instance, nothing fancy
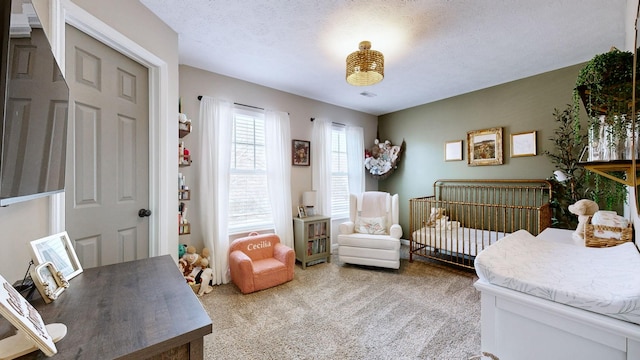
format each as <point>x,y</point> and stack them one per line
<point>523,144</point>
<point>302,213</point>
<point>484,147</point>
<point>300,153</point>
<point>453,150</point>
<point>58,250</point>
<point>49,281</point>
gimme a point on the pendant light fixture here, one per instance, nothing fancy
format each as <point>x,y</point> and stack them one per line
<point>365,66</point>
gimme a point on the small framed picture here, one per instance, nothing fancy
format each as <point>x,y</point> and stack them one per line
<point>523,144</point>
<point>58,250</point>
<point>302,213</point>
<point>453,150</point>
<point>300,153</point>
<point>49,281</point>
<point>484,147</point>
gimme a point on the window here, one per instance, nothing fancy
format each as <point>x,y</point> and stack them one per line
<point>249,207</point>
<point>339,173</point>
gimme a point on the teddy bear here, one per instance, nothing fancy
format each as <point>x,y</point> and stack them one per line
<point>583,208</point>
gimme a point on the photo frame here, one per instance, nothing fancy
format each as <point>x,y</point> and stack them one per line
<point>523,144</point>
<point>58,250</point>
<point>484,147</point>
<point>49,281</point>
<point>453,150</point>
<point>300,153</point>
<point>302,213</point>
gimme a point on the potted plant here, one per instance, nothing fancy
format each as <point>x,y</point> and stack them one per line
<point>604,86</point>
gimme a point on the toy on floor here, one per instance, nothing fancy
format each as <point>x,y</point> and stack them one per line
<point>195,269</point>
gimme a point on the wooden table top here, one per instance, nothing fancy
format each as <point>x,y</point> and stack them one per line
<point>132,310</point>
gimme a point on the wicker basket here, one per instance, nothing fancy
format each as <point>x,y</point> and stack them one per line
<point>626,234</point>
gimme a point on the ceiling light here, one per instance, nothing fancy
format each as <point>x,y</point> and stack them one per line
<point>366,66</point>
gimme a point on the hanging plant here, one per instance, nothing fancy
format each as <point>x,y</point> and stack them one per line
<point>604,86</point>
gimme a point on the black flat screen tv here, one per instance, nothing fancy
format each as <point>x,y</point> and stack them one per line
<point>34,100</point>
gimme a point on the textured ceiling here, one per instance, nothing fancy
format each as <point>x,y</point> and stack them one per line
<point>434,49</point>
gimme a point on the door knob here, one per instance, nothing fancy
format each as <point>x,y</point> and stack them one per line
<point>144,212</point>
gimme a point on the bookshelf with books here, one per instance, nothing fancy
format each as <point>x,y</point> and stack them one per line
<point>312,239</point>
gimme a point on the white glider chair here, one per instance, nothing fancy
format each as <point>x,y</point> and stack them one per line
<point>372,236</point>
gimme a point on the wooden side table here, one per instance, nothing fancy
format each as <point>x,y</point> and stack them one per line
<point>312,239</point>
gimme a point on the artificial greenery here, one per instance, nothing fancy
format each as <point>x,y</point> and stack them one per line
<point>567,145</point>
<point>604,86</point>
<point>580,184</point>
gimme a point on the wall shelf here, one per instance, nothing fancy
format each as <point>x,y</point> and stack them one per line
<point>607,168</point>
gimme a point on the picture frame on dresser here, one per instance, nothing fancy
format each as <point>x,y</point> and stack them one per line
<point>57,249</point>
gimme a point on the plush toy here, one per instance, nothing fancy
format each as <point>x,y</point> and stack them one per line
<point>583,208</point>
<point>195,269</point>
<point>182,249</point>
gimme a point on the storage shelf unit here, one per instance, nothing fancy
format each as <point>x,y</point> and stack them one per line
<point>312,239</point>
<point>184,159</point>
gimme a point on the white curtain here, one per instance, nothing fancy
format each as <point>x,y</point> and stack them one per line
<point>278,150</point>
<point>355,159</point>
<point>216,120</point>
<point>321,165</point>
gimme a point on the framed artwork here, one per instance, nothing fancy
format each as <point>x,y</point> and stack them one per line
<point>300,153</point>
<point>302,213</point>
<point>58,250</point>
<point>49,281</point>
<point>453,150</point>
<point>523,144</point>
<point>484,147</point>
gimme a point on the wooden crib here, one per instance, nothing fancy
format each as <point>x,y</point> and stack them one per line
<point>462,217</point>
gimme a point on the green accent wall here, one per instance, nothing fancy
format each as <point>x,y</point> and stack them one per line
<point>519,106</point>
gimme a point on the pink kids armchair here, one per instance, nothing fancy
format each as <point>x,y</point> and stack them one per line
<point>259,262</point>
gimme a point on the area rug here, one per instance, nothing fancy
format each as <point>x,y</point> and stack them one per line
<point>338,311</point>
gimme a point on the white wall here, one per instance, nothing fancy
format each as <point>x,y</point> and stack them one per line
<point>194,82</point>
<point>21,223</point>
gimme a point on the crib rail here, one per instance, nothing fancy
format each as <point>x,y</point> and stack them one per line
<point>477,213</point>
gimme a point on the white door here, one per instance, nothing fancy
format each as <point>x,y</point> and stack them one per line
<point>108,155</point>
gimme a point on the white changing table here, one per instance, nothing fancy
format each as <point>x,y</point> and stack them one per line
<point>519,326</point>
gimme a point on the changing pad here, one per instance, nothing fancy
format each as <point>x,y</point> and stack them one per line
<point>601,280</point>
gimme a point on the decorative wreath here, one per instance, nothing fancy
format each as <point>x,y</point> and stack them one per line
<point>382,159</point>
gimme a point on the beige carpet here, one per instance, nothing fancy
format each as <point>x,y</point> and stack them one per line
<point>338,311</point>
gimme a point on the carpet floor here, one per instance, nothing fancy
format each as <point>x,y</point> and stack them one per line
<point>339,311</point>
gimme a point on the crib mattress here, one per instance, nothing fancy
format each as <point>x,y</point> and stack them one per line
<point>601,280</point>
<point>462,240</point>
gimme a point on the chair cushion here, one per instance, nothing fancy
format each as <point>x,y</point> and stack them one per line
<point>371,225</point>
<point>369,241</point>
<point>265,266</point>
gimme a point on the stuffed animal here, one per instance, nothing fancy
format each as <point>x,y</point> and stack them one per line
<point>583,208</point>
<point>195,269</point>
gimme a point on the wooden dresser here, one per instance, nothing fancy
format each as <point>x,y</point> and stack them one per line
<point>140,309</point>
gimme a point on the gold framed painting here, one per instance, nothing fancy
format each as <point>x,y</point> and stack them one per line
<point>484,147</point>
<point>523,144</point>
<point>453,150</point>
